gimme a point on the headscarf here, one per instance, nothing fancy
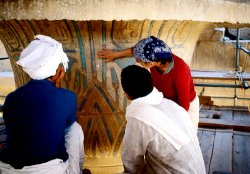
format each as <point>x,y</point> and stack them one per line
<point>40,59</point>
<point>151,49</point>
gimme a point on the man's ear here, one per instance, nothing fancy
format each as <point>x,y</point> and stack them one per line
<point>58,77</point>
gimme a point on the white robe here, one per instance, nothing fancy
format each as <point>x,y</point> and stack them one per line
<point>160,138</point>
<point>194,112</point>
<point>74,145</point>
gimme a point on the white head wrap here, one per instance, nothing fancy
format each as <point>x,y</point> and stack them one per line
<point>40,59</point>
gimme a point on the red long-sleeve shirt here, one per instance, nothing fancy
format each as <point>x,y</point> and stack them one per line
<point>177,85</point>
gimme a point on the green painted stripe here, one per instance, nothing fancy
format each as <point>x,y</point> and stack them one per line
<point>92,51</point>
<point>82,54</point>
<point>104,65</point>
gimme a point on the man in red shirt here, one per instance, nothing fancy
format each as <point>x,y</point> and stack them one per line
<point>170,74</point>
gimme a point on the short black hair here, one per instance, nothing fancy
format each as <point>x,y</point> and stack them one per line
<point>136,81</point>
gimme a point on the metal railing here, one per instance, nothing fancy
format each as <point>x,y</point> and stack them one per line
<point>4,58</point>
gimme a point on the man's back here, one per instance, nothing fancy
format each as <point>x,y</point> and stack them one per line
<point>36,116</point>
<point>189,158</point>
<point>169,146</point>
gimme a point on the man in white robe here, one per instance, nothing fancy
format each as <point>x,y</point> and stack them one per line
<point>53,140</point>
<point>159,136</point>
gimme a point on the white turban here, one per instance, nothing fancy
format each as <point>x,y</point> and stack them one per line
<point>40,59</point>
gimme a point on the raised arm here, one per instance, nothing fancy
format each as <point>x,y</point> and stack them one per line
<point>110,55</point>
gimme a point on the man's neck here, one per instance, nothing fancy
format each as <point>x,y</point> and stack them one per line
<point>162,67</point>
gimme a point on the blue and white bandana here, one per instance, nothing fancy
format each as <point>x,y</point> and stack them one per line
<point>151,49</point>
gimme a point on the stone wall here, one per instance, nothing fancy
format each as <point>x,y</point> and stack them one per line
<point>230,11</point>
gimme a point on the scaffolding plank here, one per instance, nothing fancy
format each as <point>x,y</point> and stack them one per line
<point>240,125</point>
<point>241,153</point>
<point>221,161</point>
<point>207,143</point>
<point>226,115</point>
<point>241,115</point>
<point>216,75</point>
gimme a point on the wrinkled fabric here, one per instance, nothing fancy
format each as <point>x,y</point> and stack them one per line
<point>194,111</point>
<point>74,139</point>
<point>51,167</point>
<point>74,145</point>
<point>146,150</point>
<point>40,59</point>
<point>159,122</point>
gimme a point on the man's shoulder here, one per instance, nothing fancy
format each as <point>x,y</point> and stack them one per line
<point>172,106</point>
<point>177,58</point>
<point>169,103</point>
<point>17,91</point>
<point>66,92</point>
<point>180,63</point>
